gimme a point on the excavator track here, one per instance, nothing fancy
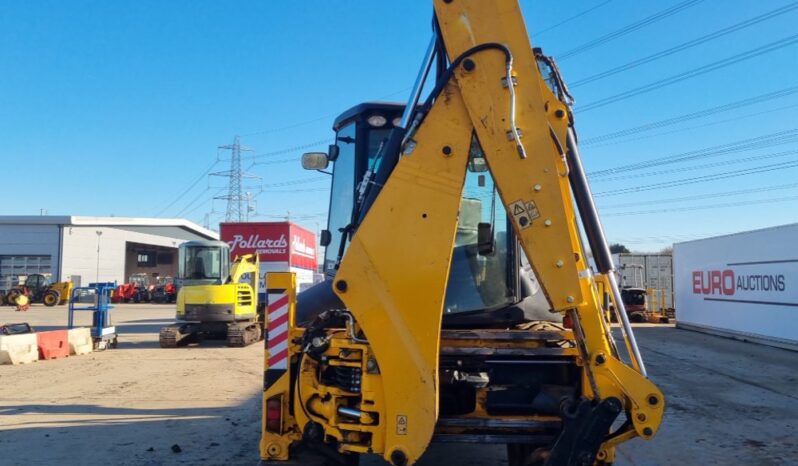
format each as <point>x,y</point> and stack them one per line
<point>176,335</point>
<point>242,334</point>
<point>169,337</point>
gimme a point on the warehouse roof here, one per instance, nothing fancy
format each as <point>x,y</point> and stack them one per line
<point>121,222</point>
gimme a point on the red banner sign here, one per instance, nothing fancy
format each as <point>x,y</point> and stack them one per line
<point>272,241</point>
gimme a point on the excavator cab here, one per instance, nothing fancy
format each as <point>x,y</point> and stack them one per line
<point>490,281</point>
<point>203,262</point>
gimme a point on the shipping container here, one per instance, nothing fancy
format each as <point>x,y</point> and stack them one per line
<point>657,273</point>
<point>743,285</point>
<point>281,247</point>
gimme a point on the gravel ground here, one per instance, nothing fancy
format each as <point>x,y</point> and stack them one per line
<point>728,402</point>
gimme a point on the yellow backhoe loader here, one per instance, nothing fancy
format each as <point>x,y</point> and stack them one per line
<point>459,305</point>
<point>215,300</point>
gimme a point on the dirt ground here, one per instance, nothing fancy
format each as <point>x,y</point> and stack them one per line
<point>729,402</point>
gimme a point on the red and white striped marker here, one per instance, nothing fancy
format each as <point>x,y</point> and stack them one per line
<point>277,320</point>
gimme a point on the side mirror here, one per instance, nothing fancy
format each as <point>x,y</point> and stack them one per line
<point>486,244</point>
<point>315,160</point>
<point>326,238</point>
<point>333,151</point>
<point>477,165</point>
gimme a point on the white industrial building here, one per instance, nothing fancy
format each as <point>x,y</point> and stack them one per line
<point>89,249</point>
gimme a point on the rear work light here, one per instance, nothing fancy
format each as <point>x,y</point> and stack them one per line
<point>274,414</point>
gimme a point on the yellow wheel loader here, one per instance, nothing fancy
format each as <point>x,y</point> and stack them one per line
<point>459,304</point>
<point>215,300</point>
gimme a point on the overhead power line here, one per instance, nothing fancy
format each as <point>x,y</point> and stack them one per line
<point>699,167</point>
<point>185,210</point>
<point>759,142</point>
<point>205,202</point>
<point>287,150</point>
<point>276,162</point>
<point>297,182</point>
<point>701,179</point>
<point>190,187</point>
<point>769,111</point>
<point>704,207</point>
<point>294,191</point>
<point>629,28</point>
<point>687,45</point>
<point>570,18</point>
<point>778,94</point>
<point>747,55</point>
<point>699,197</point>
<point>316,119</point>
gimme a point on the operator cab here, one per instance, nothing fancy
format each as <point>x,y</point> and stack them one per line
<point>490,281</point>
<point>203,263</point>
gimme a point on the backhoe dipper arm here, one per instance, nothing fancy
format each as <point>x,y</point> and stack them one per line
<point>539,184</point>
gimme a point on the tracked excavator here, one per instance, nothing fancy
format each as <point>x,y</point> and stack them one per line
<point>215,300</point>
<point>459,305</point>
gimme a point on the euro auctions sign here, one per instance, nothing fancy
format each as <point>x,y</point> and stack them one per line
<point>742,284</point>
<point>272,241</point>
<point>731,282</point>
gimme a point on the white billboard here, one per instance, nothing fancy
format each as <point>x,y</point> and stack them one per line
<point>745,285</point>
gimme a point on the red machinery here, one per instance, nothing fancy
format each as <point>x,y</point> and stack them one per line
<point>165,291</point>
<point>136,290</point>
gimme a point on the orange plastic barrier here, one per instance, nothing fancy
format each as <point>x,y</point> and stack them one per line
<point>53,344</point>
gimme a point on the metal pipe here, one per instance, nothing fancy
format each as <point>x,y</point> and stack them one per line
<point>415,94</point>
<point>598,242</point>
<point>626,327</point>
<point>350,412</point>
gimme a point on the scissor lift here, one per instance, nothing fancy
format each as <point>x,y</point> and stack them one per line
<point>102,331</point>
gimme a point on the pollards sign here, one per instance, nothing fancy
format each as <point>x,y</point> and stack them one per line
<point>272,242</point>
<point>258,245</point>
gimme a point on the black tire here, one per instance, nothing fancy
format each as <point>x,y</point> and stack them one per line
<point>521,454</point>
<point>517,454</point>
<point>12,295</point>
<point>51,298</point>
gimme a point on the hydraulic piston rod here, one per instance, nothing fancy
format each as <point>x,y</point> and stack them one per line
<point>598,241</point>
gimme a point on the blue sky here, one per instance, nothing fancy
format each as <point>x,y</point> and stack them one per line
<point>117,108</point>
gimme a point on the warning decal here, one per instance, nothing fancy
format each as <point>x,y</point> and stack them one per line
<point>401,424</point>
<point>524,212</point>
